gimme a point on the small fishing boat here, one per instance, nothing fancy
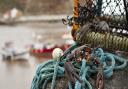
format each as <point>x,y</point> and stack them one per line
<point>41,49</point>
<point>10,53</point>
<point>45,51</point>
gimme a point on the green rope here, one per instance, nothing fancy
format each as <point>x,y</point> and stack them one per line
<point>54,75</point>
<point>51,70</point>
<point>111,41</point>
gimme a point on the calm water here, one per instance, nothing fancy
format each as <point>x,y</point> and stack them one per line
<point>19,74</point>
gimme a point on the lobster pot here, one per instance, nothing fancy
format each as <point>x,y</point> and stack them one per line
<point>107,41</point>
<point>115,14</point>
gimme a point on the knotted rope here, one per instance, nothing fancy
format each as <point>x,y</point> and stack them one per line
<point>51,70</point>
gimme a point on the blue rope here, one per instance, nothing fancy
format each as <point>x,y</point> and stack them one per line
<point>54,75</point>
<point>78,85</point>
<point>70,85</point>
<point>108,72</point>
<point>52,69</point>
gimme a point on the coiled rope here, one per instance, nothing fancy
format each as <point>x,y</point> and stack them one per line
<point>109,41</point>
<point>53,69</point>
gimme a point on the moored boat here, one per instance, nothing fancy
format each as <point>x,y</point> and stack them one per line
<point>45,51</point>
<point>12,53</point>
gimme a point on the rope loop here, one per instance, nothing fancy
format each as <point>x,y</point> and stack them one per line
<point>53,69</point>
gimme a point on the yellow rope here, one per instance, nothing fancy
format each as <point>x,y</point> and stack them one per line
<point>109,41</point>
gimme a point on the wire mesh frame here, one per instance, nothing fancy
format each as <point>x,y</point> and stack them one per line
<point>115,12</point>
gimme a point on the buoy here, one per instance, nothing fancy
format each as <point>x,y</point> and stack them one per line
<point>57,53</point>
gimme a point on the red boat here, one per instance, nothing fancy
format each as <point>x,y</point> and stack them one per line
<point>41,50</point>
<point>46,52</point>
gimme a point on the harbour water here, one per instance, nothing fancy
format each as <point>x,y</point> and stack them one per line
<point>19,74</point>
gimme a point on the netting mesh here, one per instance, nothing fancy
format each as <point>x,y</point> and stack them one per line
<point>115,7</point>
<point>113,11</point>
<point>104,24</point>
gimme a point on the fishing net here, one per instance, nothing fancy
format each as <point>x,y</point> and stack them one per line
<point>114,12</point>
<point>104,23</point>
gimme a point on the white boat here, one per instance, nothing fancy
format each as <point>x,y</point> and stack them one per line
<point>10,53</point>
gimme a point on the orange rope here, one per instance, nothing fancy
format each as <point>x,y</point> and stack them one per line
<point>75,16</point>
<point>76,8</point>
<point>75,25</point>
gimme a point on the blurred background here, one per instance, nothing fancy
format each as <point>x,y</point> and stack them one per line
<point>29,31</point>
<point>38,7</point>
